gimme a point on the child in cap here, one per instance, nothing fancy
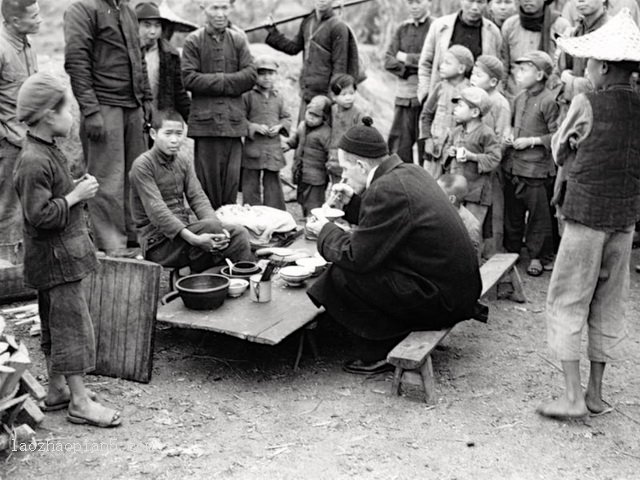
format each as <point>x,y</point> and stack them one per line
<point>312,141</point>
<point>597,147</point>
<point>473,150</point>
<point>487,74</point>
<point>58,251</point>
<point>456,188</point>
<point>437,119</point>
<point>528,166</point>
<point>344,115</point>
<point>262,157</point>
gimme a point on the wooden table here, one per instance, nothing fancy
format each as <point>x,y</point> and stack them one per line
<point>290,310</point>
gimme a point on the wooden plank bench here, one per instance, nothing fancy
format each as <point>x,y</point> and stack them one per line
<point>412,356</point>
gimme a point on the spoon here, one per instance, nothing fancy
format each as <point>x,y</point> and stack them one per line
<point>230,263</point>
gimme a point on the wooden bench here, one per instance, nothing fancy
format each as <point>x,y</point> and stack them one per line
<point>412,356</point>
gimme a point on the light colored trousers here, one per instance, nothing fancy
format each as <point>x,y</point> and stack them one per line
<point>589,285</point>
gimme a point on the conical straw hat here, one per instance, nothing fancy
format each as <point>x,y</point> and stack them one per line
<point>616,41</point>
<point>180,24</point>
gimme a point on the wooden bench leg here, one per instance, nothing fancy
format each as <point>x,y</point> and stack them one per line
<point>396,387</point>
<point>300,350</point>
<point>428,382</point>
<point>516,283</point>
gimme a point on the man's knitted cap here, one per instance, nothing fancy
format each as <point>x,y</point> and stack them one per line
<point>364,140</point>
<point>463,55</point>
<point>38,94</point>
<point>491,65</point>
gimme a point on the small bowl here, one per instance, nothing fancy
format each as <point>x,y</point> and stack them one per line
<point>294,276</point>
<point>225,271</point>
<point>314,264</point>
<point>237,286</point>
<point>245,268</point>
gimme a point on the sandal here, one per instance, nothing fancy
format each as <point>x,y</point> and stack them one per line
<point>535,268</point>
<point>104,422</point>
<point>62,404</point>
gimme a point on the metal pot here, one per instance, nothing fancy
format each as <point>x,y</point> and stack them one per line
<point>203,291</point>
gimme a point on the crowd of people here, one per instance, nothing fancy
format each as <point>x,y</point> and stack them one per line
<point>514,126</point>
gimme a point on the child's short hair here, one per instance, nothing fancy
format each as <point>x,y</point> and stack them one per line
<point>15,8</point>
<point>454,184</point>
<point>165,115</point>
<point>342,81</point>
<point>493,66</point>
<point>464,56</point>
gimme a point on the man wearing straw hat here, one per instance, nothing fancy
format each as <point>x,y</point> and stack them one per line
<point>598,150</point>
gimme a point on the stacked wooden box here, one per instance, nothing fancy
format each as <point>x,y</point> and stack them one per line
<point>19,392</point>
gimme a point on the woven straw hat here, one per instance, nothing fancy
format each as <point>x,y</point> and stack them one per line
<point>617,40</point>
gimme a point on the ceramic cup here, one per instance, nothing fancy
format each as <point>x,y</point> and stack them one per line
<point>259,292</point>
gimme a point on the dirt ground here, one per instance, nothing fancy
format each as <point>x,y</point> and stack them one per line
<point>223,408</point>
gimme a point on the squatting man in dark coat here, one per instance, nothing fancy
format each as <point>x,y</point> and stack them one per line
<point>407,265</point>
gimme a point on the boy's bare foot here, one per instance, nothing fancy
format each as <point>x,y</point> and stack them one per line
<point>596,405</point>
<point>59,397</point>
<point>95,414</point>
<point>563,408</point>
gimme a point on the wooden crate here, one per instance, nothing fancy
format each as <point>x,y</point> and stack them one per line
<point>123,298</point>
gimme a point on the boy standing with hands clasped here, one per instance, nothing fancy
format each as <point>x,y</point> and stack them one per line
<point>437,120</point>
<point>473,150</point>
<point>528,167</point>
<point>58,250</point>
<point>262,157</point>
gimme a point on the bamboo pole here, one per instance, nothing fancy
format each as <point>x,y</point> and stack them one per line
<point>298,17</point>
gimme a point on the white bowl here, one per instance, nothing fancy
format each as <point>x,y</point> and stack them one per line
<point>294,275</point>
<point>314,264</point>
<point>237,287</point>
<point>327,212</point>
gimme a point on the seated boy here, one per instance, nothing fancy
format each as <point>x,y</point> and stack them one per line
<point>456,188</point>
<point>161,181</point>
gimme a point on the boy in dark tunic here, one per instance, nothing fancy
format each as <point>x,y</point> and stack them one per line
<point>161,181</point>
<point>58,250</point>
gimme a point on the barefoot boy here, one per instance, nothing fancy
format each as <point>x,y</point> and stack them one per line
<point>597,145</point>
<point>58,250</point>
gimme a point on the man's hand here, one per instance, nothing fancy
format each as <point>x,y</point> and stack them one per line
<point>94,127</point>
<point>451,151</point>
<point>429,147</point>
<point>258,128</point>
<point>340,195</point>
<point>211,242</point>
<point>147,111</point>
<point>401,57</point>
<point>274,131</point>
<point>315,224</point>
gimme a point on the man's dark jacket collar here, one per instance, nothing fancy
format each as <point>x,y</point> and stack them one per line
<point>386,166</point>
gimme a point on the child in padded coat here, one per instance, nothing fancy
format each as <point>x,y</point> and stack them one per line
<point>312,141</point>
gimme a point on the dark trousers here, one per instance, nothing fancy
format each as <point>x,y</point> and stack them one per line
<point>67,338</point>
<point>310,197</point>
<point>217,161</point>
<point>522,195</point>
<point>253,181</point>
<point>177,253</point>
<point>110,161</point>
<point>10,211</point>
<point>404,133</point>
